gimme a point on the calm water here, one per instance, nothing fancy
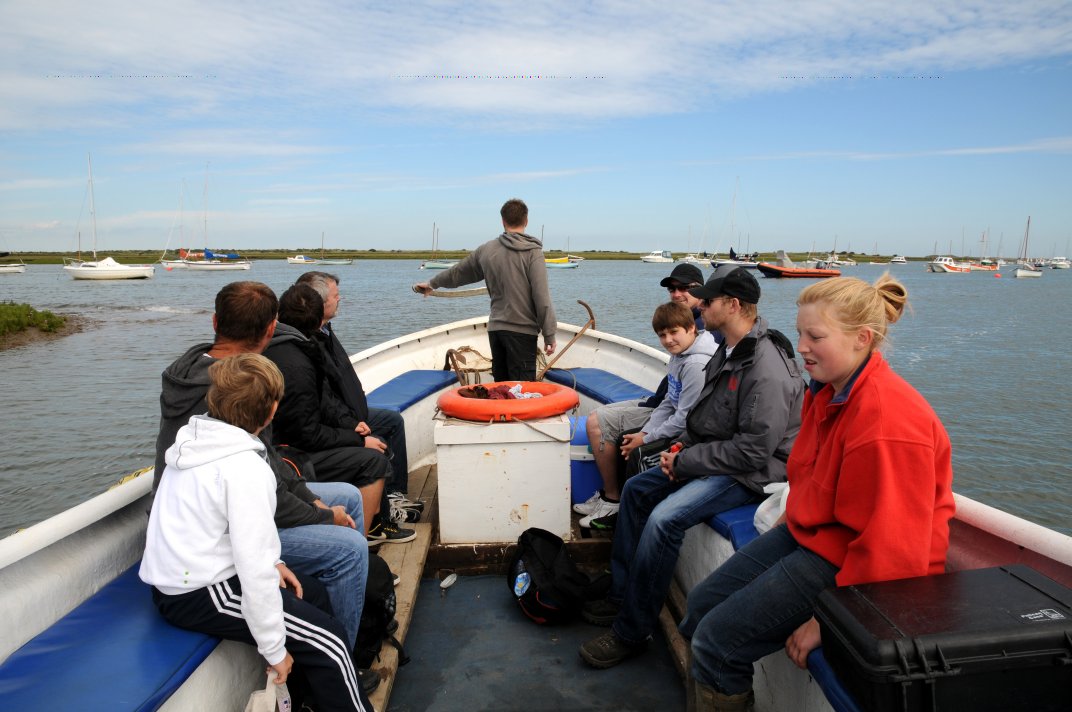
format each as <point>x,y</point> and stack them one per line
<point>991,355</point>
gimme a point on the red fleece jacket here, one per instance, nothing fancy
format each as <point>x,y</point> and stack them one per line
<point>870,480</point>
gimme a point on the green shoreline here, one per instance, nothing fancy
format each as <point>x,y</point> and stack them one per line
<point>148,256</point>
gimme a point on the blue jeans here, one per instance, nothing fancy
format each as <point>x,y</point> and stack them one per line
<point>750,606</point>
<point>389,426</point>
<point>652,519</point>
<point>336,556</point>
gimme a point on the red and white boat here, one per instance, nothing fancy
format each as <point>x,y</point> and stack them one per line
<point>948,264</point>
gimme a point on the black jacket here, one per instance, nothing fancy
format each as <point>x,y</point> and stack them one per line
<point>341,375</point>
<point>310,416</point>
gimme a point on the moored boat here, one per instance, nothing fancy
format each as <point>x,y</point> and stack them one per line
<point>302,260</point>
<point>1060,263</point>
<point>785,268</point>
<point>658,257</point>
<point>12,267</point>
<point>947,265</point>
<point>51,568</point>
<point>898,260</point>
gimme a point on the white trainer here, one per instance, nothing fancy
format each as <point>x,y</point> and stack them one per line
<point>602,509</point>
<point>589,504</point>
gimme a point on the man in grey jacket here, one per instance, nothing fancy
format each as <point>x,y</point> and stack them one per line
<point>320,523</point>
<point>513,267</point>
<point>737,439</point>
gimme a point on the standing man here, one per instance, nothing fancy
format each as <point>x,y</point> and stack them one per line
<point>737,439</point>
<point>513,267</point>
<point>383,430</point>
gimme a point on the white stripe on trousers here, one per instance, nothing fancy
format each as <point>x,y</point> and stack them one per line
<point>229,603</point>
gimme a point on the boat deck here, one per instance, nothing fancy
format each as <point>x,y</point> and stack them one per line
<point>458,663</point>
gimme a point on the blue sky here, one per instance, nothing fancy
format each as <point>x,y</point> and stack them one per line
<point>632,126</point>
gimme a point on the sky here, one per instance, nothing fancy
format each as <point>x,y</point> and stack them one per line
<point>868,126</point>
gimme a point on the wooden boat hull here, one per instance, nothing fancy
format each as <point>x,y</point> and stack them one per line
<point>769,270</point>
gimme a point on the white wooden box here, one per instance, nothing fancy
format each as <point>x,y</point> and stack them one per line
<point>496,481</point>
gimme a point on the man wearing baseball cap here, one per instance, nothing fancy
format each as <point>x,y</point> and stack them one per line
<point>737,439</point>
<point>682,278</point>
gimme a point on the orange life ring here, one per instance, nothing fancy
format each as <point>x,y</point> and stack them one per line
<point>555,399</point>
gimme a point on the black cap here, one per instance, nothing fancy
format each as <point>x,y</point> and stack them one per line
<point>683,273</point>
<point>739,283</point>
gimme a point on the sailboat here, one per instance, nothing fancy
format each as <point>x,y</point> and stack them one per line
<point>106,268</point>
<point>436,263</point>
<point>1025,268</point>
<point>332,260</point>
<point>213,261</point>
<point>179,263</point>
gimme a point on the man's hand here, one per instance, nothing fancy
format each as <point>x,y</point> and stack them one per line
<point>549,348</point>
<point>631,442</point>
<point>282,669</point>
<point>423,288</point>
<point>374,443</point>
<point>341,518</point>
<point>666,463</point>
<point>287,579</point>
<point>804,639</point>
<point>362,428</point>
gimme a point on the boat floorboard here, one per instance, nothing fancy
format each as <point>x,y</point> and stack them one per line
<point>425,558</point>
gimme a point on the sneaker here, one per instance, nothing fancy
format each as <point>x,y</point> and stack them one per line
<point>600,611</point>
<point>385,531</point>
<point>402,515</point>
<point>603,508</point>
<point>608,650</point>
<point>589,504</point>
<point>369,679</point>
<point>604,524</point>
<point>397,498</point>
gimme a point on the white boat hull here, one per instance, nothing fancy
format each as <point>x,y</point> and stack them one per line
<point>1026,273</point>
<point>100,270</point>
<point>12,269</point>
<point>218,266</point>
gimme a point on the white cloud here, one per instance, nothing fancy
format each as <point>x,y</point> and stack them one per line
<point>210,60</point>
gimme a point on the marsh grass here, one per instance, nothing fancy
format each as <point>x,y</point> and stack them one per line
<point>19,317</point>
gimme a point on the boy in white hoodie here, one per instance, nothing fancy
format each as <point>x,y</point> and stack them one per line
<point>212,549</point>
<point>690,351</point>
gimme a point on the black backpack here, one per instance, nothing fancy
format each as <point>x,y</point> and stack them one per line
<point>378,623</point>
<point>546,583</point>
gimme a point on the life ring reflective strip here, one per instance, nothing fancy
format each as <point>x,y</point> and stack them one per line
<point>555,399</point>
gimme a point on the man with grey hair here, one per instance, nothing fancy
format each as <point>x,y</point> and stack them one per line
<point>384,430</point>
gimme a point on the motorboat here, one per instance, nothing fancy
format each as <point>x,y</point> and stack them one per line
<point>302,260</point>
<point>658,257</point>
<point>12,267</point>
<point>784,268</point>
<point>898,260</point>
<point>69,584</point>
<point>947,265</point>
<point>1060,263</point>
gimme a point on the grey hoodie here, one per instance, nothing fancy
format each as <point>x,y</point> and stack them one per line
<point>685,381</point>
<point>513,267</point>
<point>184,387</point>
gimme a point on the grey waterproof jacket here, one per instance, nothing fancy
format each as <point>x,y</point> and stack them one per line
<point>748,414</point>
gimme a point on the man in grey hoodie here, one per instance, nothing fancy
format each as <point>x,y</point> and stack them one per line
<point>513,267</point>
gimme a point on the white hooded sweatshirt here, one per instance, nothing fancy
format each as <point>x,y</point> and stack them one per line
<point>212,519</point>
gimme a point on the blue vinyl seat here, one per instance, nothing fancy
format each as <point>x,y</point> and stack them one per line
<point>409,388</point>
<point>113,651</point>
<point>597,384</point>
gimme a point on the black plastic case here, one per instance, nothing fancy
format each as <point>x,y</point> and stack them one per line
<point>979,640</point>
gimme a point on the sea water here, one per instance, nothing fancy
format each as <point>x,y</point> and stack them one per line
<point>991,356</point>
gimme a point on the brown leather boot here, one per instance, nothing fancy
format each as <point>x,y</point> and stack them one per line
<point>710,700</point>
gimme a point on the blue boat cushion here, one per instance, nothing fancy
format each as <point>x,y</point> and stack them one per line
<point>409,388</point>
<point>737,524</point>
<point>598,384</point>
<point>113,652</point>
<point>838,697</point>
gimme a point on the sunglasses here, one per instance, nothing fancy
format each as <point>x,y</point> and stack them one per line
<point>681,287</point>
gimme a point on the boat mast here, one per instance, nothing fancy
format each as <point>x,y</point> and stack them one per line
<point>204,206</point>
<point>93,212</point>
